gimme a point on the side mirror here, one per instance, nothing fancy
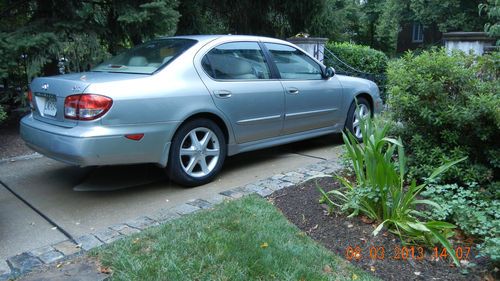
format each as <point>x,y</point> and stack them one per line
<point>329,72</point>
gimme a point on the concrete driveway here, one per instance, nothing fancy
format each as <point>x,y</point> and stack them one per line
<point>81,200</point>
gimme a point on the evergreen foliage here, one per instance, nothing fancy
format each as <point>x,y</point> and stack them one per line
<point>448,106</point>
<point>49,37</point>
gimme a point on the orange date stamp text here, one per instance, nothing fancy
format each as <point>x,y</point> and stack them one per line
<point>403,253</point>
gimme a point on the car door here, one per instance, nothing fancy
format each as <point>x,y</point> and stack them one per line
<point>239,79</point>
<point>311,101</point>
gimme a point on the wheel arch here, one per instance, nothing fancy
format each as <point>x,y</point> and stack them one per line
<point>364,95</point>
<point>175,169</point>
<point>212,117</point>
<point>368,97</point>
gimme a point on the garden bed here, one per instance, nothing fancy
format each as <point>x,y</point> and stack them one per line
<point>342,235</point>
<point>11,144</point>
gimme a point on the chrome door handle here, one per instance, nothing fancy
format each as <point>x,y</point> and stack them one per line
<point>293,91</point>
<point>223,94</point>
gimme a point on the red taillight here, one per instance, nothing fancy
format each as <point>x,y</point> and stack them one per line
<point>29,96</point>
<point>71,107</point>
<point>86,106</point>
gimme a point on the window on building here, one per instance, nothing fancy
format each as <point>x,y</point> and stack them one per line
<point>418,33</point>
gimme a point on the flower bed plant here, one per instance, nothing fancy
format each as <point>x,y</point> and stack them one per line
<point>380,193</point>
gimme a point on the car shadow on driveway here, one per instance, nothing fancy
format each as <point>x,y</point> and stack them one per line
<point>112,178</point>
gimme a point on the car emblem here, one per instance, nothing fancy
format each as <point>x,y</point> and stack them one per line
<point>45,86</point>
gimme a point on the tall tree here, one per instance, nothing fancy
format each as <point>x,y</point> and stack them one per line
<point>450,15</point>
<point>129,22</point>
<point>492,26</point>
<point>201,17</point>
<point>49,36</point>
<point>277,18</point>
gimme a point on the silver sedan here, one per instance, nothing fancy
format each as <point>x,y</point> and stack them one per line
<point>187,102</point>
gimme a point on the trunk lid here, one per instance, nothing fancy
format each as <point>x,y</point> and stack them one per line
<point>49,93</point>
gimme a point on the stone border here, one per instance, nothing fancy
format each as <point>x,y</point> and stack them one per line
<point>31,156</point>
<point>26,262</point>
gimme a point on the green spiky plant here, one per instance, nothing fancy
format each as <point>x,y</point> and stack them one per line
<point>379,191</point>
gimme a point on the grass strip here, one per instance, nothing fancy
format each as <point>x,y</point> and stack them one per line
<point>245,239</point>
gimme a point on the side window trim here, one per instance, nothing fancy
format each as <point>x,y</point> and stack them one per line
<point>275,74</point>
<point>209,63</point>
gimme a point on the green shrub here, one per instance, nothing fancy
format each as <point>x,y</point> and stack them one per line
<point>3,115</point>
<point>359,57</point>
<point>372,63</point>
<point>380,192</point>
<point>472,211</point>
<point>447,107</point>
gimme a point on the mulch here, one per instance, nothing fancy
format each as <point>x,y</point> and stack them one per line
<point>388,259</point>
<point>11,144</point>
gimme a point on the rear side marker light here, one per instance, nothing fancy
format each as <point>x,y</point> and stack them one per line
<point>136,137</point>
<point>86,106</point>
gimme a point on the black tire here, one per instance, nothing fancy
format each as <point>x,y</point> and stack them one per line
<point>178,166</point>
<point>351,118</point>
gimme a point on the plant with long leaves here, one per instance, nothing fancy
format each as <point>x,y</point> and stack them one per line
<point>379,191</point>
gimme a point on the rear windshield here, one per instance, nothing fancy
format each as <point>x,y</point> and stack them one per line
<point>146,58</point>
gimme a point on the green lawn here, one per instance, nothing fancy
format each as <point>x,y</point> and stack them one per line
<point>246,239</point>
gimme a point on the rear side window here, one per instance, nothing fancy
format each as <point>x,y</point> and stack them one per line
<point>293,64</point>
<point>239,60</point>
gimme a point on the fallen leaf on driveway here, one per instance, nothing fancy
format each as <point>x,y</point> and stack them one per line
<point>105,269</point>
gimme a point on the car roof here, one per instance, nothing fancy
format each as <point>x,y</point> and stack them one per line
<point>208,38</point>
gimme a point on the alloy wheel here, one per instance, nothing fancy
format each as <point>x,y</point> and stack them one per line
<point>361,112</point>
<point>199,152</point>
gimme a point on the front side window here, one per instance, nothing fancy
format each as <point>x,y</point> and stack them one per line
<point>238,60</point>
<point>146,58</point>
<point>293,63</point>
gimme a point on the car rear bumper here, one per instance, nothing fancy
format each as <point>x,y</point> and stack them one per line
<point>99,145</point>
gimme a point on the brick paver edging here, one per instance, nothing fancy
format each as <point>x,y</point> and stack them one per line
<point>23,263</point>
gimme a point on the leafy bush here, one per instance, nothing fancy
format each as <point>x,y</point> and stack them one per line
<point>379,191</point>
<point>3,115</point>
<point>360,57</point>
<point>474,213</point>
<point>448,106</point>
<point>372,63</point>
